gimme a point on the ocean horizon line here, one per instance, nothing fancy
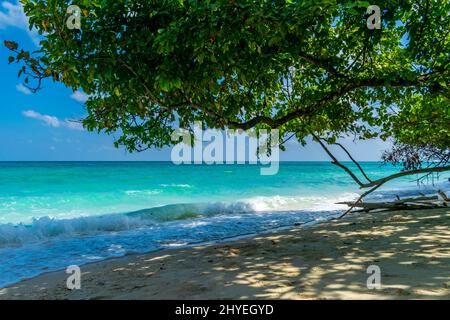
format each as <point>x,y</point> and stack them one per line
<point>169,161</point>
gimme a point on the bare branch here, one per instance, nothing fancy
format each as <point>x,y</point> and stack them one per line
<point>365,194</point>
<point>354,161</point>
<point>336,161</point>
<point>376,184</point>
<point>407,173</point>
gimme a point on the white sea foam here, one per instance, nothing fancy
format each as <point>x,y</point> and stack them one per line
<point>142,192</point>
<point>312,203</point>
<point>174,185</point>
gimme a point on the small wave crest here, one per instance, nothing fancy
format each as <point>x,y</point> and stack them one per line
<point>142,192</point>
<point>46,228</point>
<point>174,185</point>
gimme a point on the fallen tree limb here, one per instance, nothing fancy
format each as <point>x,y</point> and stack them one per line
<point>397,202</point>
<point>424,198</point>
<point>389,205</point>
<point>403,204</point>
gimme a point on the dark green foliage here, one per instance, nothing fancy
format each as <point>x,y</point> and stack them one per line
<point>309,66</point>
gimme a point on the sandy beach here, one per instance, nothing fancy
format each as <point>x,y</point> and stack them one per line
<point>325,261</point>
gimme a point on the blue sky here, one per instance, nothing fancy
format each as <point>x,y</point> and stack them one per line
<point>37,127</point>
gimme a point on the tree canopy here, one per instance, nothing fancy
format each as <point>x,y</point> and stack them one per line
<point>303,67</point>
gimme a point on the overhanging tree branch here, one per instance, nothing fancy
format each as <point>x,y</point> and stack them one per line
<point>373,184</point>
<point>354,161</point>
<point>336,161</point>
<point>308,111</point>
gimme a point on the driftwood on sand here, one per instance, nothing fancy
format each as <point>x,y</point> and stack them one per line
<point>418,203</point>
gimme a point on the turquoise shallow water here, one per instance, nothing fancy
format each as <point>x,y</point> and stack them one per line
<point>55,214</point>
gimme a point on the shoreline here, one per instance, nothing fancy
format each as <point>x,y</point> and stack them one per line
<point>326,260</point>
<point>180,247</point>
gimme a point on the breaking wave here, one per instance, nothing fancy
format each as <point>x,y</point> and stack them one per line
<point>46,228</point>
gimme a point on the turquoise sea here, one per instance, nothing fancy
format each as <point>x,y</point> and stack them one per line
<point>56,214</point>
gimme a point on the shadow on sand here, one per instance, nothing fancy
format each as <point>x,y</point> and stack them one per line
<point>326,261</point>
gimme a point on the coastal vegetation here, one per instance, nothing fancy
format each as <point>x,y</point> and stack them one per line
<point>310,68</point>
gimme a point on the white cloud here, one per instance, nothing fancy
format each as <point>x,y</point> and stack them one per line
<point>21,88</point>
<point>79,96</point>
<point>74,125</point>
<point>53,121</point>
<point>12,15</point>
<point>49,120</point>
